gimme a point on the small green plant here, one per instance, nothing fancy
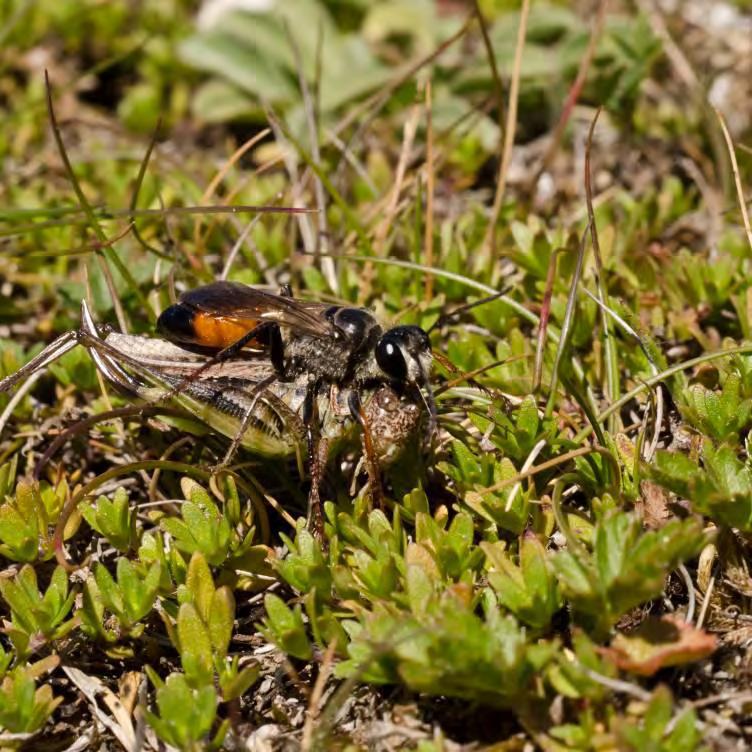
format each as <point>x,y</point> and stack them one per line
<point>129,598</point>
<point>24,707</point>
<point>625,567</point>
<point>528,589</point>
<point>37,618</point>
<point>659,729</point>
<point>204,630</point>
<point>306,567</point>
<point>185,715</point>
<point>214,533</point>
<point>114,520</point>
<point>285,627</point>
<point>516,433</point>
<point>721,416</point>
<point>450,544</point>
<point>721,487</point>
<point>473,472</point>
<point>442,642</point>
<point>26,516</point>
<point>21,518</point>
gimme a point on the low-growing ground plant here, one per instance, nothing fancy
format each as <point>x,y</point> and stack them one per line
<point>564,561</point>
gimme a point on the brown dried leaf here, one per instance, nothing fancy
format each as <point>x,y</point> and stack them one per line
<point>658,643</point>
<point>654,505</point>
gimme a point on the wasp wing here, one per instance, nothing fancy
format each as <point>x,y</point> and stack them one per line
<point>236,301</point>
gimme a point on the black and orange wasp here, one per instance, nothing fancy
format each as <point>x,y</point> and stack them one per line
<point>329,347</point>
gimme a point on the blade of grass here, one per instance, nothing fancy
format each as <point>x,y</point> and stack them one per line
<point>544,318</point>
<point>107,215</point>
<point>106,253</point>
<point>430,179</point>
<point>495,75</point>
<point>326,263</point>
<point>566,326</point>
<point>489,243</point>
<point>660,377</point>
<point>199,238</point>
<point>137,189</point>
<point>737,178</point>
<point>612,362</point>
<point>351,219</point>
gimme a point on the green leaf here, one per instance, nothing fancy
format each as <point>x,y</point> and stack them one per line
<point>186,715</point>
<point>221,620</point>
<point>200,585</point>
<point>195,646</point>
<point>529,590</point>
<point>285,627</point>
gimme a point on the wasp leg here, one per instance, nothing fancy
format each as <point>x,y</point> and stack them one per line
<point>372,462</point>
<point>276,356</point>
<point>318,450</point>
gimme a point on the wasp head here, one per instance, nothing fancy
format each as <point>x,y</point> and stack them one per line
<point>404,355</point>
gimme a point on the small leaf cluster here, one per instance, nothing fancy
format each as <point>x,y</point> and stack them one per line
<point>163,574</point>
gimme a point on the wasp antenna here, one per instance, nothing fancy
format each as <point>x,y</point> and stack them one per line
<point>445,318</point>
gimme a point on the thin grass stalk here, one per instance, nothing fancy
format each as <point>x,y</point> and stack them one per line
<point>651,361</point>
<point>102,254</point>
<point>660,377</point>
<point>349,215</point>
<point>430,185</point>
<point>489,243</point>
<point>548,465</point>
<point>495,75</point>
<point>303,225</point>
<point>737,177</point>
<point>328,268</point>
<point>545,315</point>
<point>566,326</point>
<point>575,90</point>
<point>611,355</point>
<point>137,190</point>
<point>376,101</point>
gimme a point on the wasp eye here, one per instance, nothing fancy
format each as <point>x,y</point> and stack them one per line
<point>390,358</point>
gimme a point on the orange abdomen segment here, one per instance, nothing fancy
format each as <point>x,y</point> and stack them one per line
<point>218,332</point>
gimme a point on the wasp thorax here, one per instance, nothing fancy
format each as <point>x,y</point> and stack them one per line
<point>353,324</point>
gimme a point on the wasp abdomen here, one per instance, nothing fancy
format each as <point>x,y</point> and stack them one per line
<point>184,325</point>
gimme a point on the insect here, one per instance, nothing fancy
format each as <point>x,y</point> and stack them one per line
<point>326,347</point>
<point>228,391</point>
<point>325,344</point>
<point>242,398</point>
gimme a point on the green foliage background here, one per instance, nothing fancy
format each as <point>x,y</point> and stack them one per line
<point>589,482</point>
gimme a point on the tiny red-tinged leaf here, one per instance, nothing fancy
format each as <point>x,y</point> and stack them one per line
<point>658,643</point>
